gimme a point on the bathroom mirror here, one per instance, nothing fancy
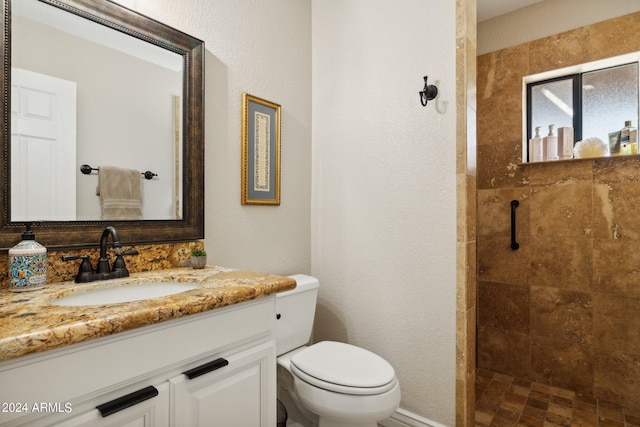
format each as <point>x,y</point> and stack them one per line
<point>138,104</point>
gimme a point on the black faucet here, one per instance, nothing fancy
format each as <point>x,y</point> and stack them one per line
<point>103,271</point>
<point>103,262</point>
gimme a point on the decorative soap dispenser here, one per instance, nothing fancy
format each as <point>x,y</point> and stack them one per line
<point>27,264</point>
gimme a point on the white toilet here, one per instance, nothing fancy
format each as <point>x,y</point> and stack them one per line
<point>328,384</point>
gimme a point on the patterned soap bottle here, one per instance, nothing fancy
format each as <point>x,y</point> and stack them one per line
<point>27,264</point>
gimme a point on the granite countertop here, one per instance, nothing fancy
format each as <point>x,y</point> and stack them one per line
<point>30,324</point>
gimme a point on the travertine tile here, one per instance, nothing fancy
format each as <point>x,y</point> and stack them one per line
<point>560,173</point>
<point>563,262</point>
<point>465,344</point>
<point>497,122</point>
<point>465,402</point>
<point>466,207</point>
<point>483,378</point>
<point>615,210</point>
<point>611,413</point>
<point>563,314</point>
<point>513,402</point>
<point>631,420</point>
<point>615,323</point>
<point>503,305</point>
<point>500,76</point>
<point>584,419</point>
<point>616,374</point>
<point>615,36</point>
<point>503,350</point>
<point>499,165</point>
<point>472,207</point>
<point>494,211</point>
<point>466,275</point>
<point>615,267</point>
<point>561,210</point>
<point>562,364</point>
<point>497,262</point>
<point>466,202</point>
<point>622,169</point>
<point>558,51</point>
<point>484,413</point>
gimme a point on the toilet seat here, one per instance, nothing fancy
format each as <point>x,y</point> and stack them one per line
<point>343,368</point>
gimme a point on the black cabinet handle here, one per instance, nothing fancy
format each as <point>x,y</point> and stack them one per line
<point>514,244</point>
<point>206,368</point>
<point>124,402</point>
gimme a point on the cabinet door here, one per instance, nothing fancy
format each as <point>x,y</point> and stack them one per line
<point>151,412</point>
<point>238,394</point>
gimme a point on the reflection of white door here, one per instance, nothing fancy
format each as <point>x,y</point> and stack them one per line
<point>43,147</point>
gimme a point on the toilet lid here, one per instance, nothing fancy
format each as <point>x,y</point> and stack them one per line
<point>344,365</point>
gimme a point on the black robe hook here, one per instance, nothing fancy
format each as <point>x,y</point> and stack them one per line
<point>428,93</point>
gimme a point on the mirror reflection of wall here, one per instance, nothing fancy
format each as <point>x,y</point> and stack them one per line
<point>127,114</point>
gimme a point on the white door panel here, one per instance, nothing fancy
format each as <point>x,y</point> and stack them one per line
<point>43,147</point>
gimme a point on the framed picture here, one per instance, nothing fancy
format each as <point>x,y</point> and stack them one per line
<point>260,151</point>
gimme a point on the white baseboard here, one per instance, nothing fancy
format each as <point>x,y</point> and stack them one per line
<point>402,418</point>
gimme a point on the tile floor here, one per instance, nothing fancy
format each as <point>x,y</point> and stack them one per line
<point>503,401</point>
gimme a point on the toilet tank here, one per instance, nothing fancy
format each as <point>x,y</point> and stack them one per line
<point>295,311</point>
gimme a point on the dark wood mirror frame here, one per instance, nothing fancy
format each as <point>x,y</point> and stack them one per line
<point>78,234</point>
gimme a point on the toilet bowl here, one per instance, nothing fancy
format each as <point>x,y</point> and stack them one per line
<point>331,384</point>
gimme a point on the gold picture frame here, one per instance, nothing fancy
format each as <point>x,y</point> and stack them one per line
<point>260,151</point>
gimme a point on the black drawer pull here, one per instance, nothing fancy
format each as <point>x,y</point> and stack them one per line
<point>124,402</point>
<point>206,368</point>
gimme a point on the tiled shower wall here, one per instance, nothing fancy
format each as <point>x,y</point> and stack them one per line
<point>564,309</point>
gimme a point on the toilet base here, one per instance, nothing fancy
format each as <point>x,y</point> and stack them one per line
<point>299,416</point>
<point>296,417</point>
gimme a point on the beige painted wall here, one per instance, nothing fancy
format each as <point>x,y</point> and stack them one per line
<point>262,48</point>
<point>546,18</point>
<point>384,189</point>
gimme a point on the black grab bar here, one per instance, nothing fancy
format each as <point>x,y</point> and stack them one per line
<point>514,244</point>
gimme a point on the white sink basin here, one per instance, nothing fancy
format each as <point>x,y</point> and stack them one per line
<point>125,293</point>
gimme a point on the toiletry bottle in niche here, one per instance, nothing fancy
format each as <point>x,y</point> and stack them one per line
<point>565,143</point>
<point>550,145</point>
<point>536,149</point>
<point>614,143</point>
<point>628,139</point>
<point>27,264</point>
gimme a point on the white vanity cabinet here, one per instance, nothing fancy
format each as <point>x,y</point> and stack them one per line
<point>233,395</point>
<point>150,412</point>
<point>228,352</point>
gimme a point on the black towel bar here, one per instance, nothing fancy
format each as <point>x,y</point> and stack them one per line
<point>86,169</point>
